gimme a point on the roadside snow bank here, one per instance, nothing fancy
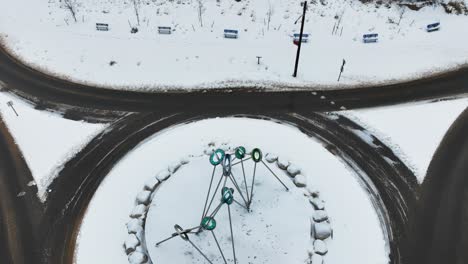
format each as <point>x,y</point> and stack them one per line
<point>46,140</point>
<point>414,131</point>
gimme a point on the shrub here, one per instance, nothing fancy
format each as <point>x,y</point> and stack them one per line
<point>457,8</point>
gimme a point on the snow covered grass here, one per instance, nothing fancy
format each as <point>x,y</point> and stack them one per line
<point>414,131</point>
<point>46,140</point>
<point>44,34</point>
<point>358,235</point>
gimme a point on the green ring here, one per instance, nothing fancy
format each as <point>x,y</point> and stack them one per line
<point>208,223</point>
<point>227,195</point>
<point>240,152</point>
<point>214,156</point>
<point>257,155</point>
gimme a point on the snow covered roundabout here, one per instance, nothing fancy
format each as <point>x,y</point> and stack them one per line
<point>305,206</point>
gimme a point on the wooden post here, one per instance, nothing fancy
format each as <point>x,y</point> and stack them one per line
<point>10,104</point>
<point>342,69</point>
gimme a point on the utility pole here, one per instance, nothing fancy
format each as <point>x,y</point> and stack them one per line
<point>300,40</point>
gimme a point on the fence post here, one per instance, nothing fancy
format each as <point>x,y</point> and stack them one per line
<point>10,104</point>
<point>342,69</point>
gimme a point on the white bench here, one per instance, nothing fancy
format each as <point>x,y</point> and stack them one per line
<point>165,30</point>
<point>102,27</point>
<point>433,27</point>
<point>370,38</point>
<point>231,33</point>
<point>296,37</point>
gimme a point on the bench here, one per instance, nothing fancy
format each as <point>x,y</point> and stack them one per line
<point>231,33</point>
<point>102,27</point>
<point>165,30</point>
<point>369,38</point>
<point>433,27</point>
<point>296,36</point>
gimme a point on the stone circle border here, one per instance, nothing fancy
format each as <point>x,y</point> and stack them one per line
<point>135,246</point>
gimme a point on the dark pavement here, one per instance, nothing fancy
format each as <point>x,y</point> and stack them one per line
<point>426,230</point>
<point>391,185</point>
<point>18,215</point>
<point>440,223</point>
<point>79,101</point>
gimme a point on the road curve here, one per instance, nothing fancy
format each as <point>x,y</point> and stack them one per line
<point>79,100</point>
<point>440,226</point>
<point>19,213</point>
<point>391,185</point>
<point>436,223</point>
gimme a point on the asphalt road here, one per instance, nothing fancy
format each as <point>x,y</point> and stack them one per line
<point>395,184</point>
<point>78,101</point>
<point>37,233</point>
<point>440,225</point>
<point>18,215</point>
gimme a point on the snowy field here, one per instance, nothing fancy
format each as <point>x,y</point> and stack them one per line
<point>44,34</point>
<point>414,131</point>
<point>356,227</point>
<point>46,139</point>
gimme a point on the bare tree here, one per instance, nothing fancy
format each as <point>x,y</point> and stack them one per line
<point>136,7</point>
<point>269,14</point>
<point>201,9</point>
<point>71,6</point>
<point>402,13</point>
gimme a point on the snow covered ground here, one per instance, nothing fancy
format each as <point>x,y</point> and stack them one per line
<point>260,236</point>
<point>358,236</point>
<point>46,140</point>
<point>44,34</point>
<point>414,131</point>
